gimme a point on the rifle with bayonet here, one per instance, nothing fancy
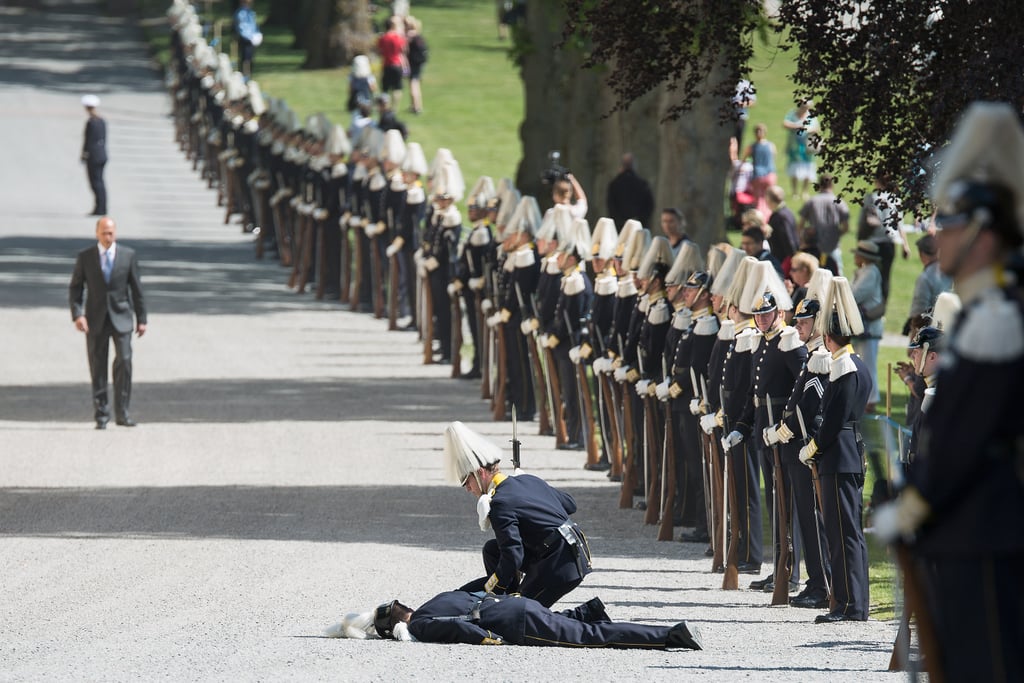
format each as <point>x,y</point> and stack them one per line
<point>718,523</point>
<point>586,404</point>
<point>611,429</point>
<point>668,477</point>
<point>516,444</point>
<point>731,580</point>
<point>561,436</point>
<point>541,393</point>
<point>783,563</point>
<point>486,332</point>
<point>629,466</point>
<point>819,518</point>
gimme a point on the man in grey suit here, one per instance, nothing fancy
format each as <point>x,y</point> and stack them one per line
<point>110,273</point>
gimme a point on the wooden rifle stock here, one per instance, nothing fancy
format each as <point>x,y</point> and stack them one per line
<point>355,291</point>
<point>540,389</point>
<point>561,433</point>
<point>486,340</point>
<point>319,235</point>
<point>668,478</point>
<point>613,439</point>
<point>916,605</point>
<point>393,291</point>
<point>653,463</point>
<point>718,522</point>
<point>456,350</point>
<point>377,274</point>
<point>629,466</point>
<point>587,408</point>
<point>731,580</point>
<point>499,389</point>
<point>783,564</point>
<point>346,259</point>
<point>428,323</point>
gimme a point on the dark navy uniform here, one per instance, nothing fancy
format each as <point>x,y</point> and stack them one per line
<point>970,470</point>
<point>574,295</point>
<point>530,519</point>
<point>776,363</point>
<point>744,470</point>
<point>475,619</point>
<point>839,451</point>
<point>806,398</point>
<point>522,270</point>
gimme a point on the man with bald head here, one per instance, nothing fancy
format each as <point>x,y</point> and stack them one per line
<point>104,292</point>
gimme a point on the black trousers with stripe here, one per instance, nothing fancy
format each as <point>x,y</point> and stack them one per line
<point>848,551</point>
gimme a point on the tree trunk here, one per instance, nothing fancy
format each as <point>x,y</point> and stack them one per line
<point>280,13</point>
<point>685,161</point>
<point>316,34</point>
<point>335,32</point>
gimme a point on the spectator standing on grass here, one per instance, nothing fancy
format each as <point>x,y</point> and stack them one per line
<point>391,47</point>
<point>930,283</point>
<point>388,120</point>
<point>782,240</point>
<point>762,154</point>
<point>417,55</point>
<point>880,221</point>
<point>800,125</point>
<point>867,292</point>
<point>829,216</point>
<point>249,37</point>
<point>629,195</point>
<point>362,86</point>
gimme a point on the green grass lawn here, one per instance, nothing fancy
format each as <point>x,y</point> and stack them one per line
<point>473,102</point>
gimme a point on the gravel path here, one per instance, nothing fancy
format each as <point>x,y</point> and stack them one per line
<point>287,467</point>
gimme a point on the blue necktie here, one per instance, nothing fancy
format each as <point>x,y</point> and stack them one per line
<point>108,265</point>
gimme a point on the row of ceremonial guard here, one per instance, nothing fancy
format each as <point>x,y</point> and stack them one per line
<point>676,373</point>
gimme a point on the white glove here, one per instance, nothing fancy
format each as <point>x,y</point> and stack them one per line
<point>770,435</point>
<point>901,517</point>
<point>731,439</point>
<point>493,320</point>
<point>661,391</point>
<point>486,306</point>
<point>805,456</point>
<point>476,283</point>
<point>543,339</point>
<point>707,423</point>
<point>392,249</point>
<point>525,327</point>
<point>620,373</point>
<point>431,263</point>
<point>574,355</point>
<point>453,289</point>
<point>605,365</point>
<point>695,406</point>
<point>641,387</point>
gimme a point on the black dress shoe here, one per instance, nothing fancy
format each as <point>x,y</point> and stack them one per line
<point>101,424</point>
<point>571,446</point>
<point>472,374</point>
<point>810,601</point>
<point>749,567</point>
<point>596,613</point>
<point>127,422</point>
<point>709,552</point>
<point>694,537</point>
<point>684,636</point>
<point>614,477</point>
<point>761,583</point>
<point>769,587</point>
<point>599,466</point>
<point>832,617</point>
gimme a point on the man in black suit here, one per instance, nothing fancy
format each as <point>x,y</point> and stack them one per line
<point>94,153</point>
<point>629,195</point>
<point>111,274</point>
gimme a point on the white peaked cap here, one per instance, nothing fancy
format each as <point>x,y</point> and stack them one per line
<point>483,191</point>
<point>90,101</point>
<point>448,182</point>
<point>629,228</point>
<point>577,240</point>
<point>525,217</point>
<point>505,186</point>
<point>312,126</point>
<point>761,278</point>
<point>604,239</point>
<point>817,286</point>
<point>442,156</point>
<point>716,258</point>
<point>394,149</point>
<point>256,100</point>
<point>688,261</point>
<point>945,310</point>
<point>466,451</point>
<point>507,207</point>
<point>659,253</point>
<point>637,246</point>
<point>734,295</point>
<point>357,625</point>
<point>727,271</point>
<point>987,147</point>
<point>236,88</point>
<point>337,141</point>
<point>415,160</point>
<point>370,141</point>
<point>361,66</point>
<point>323,125</point>
<point>223,69</point>
<point>839,301</point>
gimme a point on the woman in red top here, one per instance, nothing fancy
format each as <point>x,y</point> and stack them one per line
<point>391,48</point>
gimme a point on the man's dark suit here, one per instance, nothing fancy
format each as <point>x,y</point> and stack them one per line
<point>94,154</point>
<point>108,310</point>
